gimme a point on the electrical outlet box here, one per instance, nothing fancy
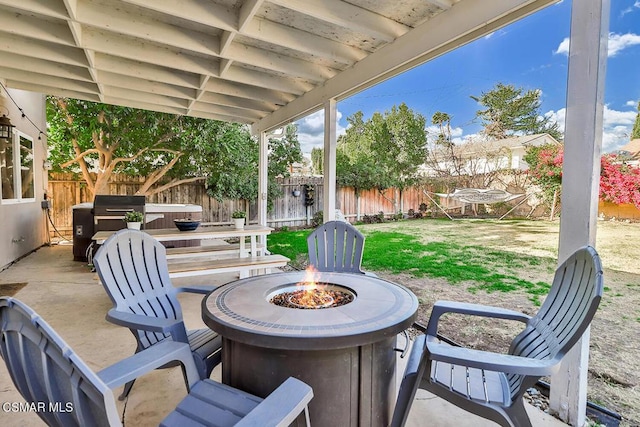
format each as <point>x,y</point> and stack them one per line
<point>46,204</point>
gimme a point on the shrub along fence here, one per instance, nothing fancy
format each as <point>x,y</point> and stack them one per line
<point>290,209</point>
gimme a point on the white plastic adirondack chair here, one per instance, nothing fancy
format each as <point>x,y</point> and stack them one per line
<point>47,372</point>
<point>492,385</point>
<point>132,267</point>
<point>336,246</point>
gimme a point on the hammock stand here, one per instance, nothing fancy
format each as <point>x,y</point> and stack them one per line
<point>478,196</point>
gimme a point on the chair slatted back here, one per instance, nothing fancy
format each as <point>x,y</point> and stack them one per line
<point>566,312</point>
<point>336,246</point>
<point>53,380</point>
<point>132,267</point>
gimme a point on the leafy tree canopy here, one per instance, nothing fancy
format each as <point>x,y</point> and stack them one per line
<point>443,121</point>
<point>106,139</point>
<point>99,140</point>
<point>384,151</point>
<point>354,156</point>
<point>317,160</point>
<point>284,152</point>
<point>234,170</point>
<point>508,111</point>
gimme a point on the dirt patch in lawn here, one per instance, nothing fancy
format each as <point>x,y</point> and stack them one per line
<point>614,365</point>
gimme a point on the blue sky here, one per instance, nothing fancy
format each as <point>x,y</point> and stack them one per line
<point>531,53</point>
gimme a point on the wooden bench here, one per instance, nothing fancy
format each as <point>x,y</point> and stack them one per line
<point>195,253</point>
<point>242,265</point>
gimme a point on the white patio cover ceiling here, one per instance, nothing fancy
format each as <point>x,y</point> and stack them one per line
<point>259,62</point>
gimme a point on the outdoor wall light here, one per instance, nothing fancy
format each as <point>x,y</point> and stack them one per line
<point>296,193</point>
<point>5,127</point>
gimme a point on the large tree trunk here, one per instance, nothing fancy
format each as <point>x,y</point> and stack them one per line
<point>553,205</point>
<point>102,184</point>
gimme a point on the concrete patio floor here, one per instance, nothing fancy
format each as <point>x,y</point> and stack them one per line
<point>69,296</point>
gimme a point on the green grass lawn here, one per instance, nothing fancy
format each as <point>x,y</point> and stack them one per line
<point>399,251</point>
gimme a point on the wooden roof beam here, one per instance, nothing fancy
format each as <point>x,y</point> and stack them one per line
<point>464,22</point>
<point>346,15</point>
<point>201,11</point>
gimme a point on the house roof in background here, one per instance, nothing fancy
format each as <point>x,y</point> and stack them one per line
<point>261,62</point>
<point>524,141</point>
<point>633,147</point>
<point>481,148</point>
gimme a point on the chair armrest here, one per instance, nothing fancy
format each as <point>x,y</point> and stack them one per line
<point>204,289</point>
<point>281,407</point>
<point>491,361</point>
<point>152,324</point>
<point>442,307</point>
<point>139,321</point>
<point>149,359</point>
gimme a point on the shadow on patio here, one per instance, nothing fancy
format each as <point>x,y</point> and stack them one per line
<point>68,296</point>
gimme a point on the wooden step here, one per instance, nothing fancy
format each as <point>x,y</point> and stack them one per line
<point>247,264</point>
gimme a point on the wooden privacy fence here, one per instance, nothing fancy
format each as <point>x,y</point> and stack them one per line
<point>65,191</point>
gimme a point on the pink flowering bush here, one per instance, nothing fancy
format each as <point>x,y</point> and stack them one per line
<point>546,169</point>
<point>619,181</point>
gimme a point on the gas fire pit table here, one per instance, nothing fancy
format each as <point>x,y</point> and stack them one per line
<point>344,349</point>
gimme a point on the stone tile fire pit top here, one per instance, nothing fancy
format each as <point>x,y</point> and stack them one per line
<point>241,311</point>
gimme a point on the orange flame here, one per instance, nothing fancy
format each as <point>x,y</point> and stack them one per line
<point>313,295</point>
<point>310,278</point>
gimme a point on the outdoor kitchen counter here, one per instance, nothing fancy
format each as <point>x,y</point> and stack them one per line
<point>345,353</point>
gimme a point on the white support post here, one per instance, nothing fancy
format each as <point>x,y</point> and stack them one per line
<point>263,185</point>
<point>329,167</point>
<point>581,179</point>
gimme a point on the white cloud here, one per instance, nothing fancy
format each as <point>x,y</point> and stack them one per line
<point>311,130</point>
<point>563,48</point>
<point>626,11</point>
<point>558,117</point>
<point>617,126</point>
<point>462,139</point>
<point>617,43</point>
<point>631,103</point>
<point>630,9</point>
<point>613,117</point>
<point>498,33</point>
<point>613,138</point>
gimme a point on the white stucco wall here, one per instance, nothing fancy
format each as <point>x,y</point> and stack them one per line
<point>23,223</point>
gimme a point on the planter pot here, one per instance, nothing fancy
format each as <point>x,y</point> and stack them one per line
<point>239,223</point>
<point>134,225</point>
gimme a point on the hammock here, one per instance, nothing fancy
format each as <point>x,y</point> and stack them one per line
<point>476,195</point>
